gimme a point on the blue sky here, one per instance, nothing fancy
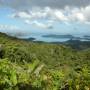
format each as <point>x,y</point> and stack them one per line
<point>18,16</point>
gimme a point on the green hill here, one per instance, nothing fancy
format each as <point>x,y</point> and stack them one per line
<point>28,65</point>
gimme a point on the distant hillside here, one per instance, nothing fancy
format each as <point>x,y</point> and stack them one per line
<point>77,44</point>
<point>46,52</point>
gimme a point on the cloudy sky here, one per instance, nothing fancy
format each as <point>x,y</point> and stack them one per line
<point>45,16</point>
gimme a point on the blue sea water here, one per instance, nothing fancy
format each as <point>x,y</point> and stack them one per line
<point>39,37</point>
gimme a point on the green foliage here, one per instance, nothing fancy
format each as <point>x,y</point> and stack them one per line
<point>7,73</point>
<point>37,66</point>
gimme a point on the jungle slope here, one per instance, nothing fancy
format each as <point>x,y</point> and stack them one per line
<point>28,65</point>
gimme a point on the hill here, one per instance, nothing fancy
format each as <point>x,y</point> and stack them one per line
<point>26,65</point>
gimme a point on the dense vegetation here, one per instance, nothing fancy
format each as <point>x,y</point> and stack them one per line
<point>40,66</point>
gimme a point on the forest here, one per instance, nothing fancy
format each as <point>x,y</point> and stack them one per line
<point>27,65</point>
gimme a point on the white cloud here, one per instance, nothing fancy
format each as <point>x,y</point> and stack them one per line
<point>65,15</point>
<point>77,17</point>
<point>21,15</point>
<point>8,27</point>
<point>60,16</point>
<point>40,25</point>
<point>80,17</point>
<point>86,13</point>
<point>12,30</point>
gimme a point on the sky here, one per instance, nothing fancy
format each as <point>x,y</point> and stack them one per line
<point>45,16</point>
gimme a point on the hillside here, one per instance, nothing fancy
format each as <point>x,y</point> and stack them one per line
<point>26,65</point>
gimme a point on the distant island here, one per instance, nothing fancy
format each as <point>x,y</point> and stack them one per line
<point>58,36</point>
<point>87,36</point>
